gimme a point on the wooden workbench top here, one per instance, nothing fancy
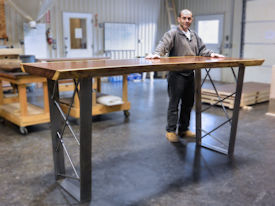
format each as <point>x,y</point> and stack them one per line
<point>108,67</point>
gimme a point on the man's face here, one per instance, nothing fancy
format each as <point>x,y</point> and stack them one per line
<point>185,20</point>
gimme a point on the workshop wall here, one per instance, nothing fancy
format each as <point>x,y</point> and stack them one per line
<point>149,16</point>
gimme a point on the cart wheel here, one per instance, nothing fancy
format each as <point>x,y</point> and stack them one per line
<point>126,113</point>
<point>23,130</point>
<point>2,120</point>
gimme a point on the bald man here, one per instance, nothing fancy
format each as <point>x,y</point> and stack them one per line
<point>181,42</point>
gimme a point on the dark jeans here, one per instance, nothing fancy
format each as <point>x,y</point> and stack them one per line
<point>181,96</point>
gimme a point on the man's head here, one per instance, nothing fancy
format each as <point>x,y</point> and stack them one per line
<point>185,19</point>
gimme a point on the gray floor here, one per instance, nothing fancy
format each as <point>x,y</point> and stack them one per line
<point>133,163</point>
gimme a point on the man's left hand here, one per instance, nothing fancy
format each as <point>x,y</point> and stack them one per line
<point>217,55</point>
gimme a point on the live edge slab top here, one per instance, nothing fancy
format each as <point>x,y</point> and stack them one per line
<point>108,67</point>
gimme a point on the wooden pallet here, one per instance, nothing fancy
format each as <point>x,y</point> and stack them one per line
<point>253,93</point>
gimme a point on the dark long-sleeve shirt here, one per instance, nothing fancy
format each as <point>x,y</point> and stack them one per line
<point>175,43</point>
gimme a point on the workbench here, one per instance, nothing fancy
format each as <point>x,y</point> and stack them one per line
<point>16,108</point>
<point>83,72</point>
<point>97,108</point>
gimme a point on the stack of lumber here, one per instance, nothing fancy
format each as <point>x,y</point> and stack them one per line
<point>10,62</point>
<point>3,32</point>
<point>10,59</point>
<point>252,93</point>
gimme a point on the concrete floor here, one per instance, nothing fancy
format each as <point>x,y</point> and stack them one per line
<point>133,163</point>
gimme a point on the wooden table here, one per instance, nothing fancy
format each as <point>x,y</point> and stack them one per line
<point>84,71</point>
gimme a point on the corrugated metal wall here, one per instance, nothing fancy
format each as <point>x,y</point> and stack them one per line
<point>14,24</point>
<point>149,16</point>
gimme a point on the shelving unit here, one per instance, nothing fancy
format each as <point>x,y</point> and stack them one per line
<point>97,108</point>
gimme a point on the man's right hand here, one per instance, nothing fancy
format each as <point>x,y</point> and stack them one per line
<point>152,56</point>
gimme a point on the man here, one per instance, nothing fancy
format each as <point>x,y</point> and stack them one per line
<point>181,42</point>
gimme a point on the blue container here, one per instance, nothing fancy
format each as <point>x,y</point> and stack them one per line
<point>27,58</point>
<point>134,76</point>
<point>115,79</point>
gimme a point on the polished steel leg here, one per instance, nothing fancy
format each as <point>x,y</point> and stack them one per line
<point>236,110</point>
<point>229,148</point>
<point>85,139</point>
<point>79,185</point>
<point>56,125</point>
<point>198,105</point>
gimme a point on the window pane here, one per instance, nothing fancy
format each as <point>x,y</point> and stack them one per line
<point>208,30</point>
<point>78,33</point>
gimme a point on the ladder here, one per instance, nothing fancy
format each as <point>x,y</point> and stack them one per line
<point>171,12</point>
<point>172,19</point>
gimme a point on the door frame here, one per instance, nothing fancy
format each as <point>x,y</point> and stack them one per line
<point>66,39</point>
<point>219,17</point>
<point>216,74</point>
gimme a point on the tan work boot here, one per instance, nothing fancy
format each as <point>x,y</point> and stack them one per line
<point>172,137</point>
<point>187,134</point>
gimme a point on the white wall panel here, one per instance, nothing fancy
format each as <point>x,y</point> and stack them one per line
<point>260,32</point>
<point>259,39</point>
<point>259,10</point>
<point>261,51</point>
<point>258,74</point>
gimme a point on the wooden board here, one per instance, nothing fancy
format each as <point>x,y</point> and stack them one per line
<point>10,59</point>
<point>97,109</point>
<point>36,115</point>
<point>3,32</point>
<point>80,69</point>
<point>10,64</point>
<point>11,51</point>
<point>253,93</point>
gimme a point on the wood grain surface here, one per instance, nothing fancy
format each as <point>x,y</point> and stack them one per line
<point>3,32</point>
<point>80,69</point>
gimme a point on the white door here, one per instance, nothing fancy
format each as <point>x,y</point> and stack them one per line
<point>77,28</point>
<point>210,30</point>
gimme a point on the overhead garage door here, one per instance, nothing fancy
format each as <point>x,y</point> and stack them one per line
<point>259,38</point>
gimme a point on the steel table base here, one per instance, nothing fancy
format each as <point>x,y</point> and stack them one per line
<point>234,120</point>
<point>81,190</point>
<point>82,186</point>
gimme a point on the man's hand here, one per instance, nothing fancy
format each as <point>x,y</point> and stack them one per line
<point>217,55</point>
<point>152,56</point>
